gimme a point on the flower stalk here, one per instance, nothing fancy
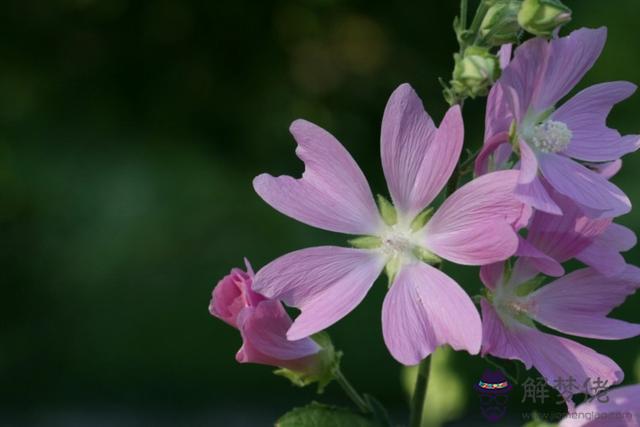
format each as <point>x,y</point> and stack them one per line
<point>351,392</point>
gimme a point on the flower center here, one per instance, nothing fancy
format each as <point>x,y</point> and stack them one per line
<point>397,241</point>
<point>512,304</point>
<point>551,136</point>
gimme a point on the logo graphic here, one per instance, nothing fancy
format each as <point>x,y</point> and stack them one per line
<point>493,390</point>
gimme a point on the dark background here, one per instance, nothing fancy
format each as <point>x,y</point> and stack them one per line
<point>129,135</point>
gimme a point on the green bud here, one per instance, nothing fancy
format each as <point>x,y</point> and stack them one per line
<point>325,365</point>
<point>474,72</point>
<point>542,17</point>
<point>366,242</point>
<point>421,219</point>
<point>500,23</point>
<point>388,212</point>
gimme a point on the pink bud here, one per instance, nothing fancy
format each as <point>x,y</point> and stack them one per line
<point>232,294</point>
<point>263,324</point>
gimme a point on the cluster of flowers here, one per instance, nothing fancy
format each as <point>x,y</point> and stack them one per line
<point>541,196</point>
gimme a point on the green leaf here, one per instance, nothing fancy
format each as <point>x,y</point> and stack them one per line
<point>319,415</point>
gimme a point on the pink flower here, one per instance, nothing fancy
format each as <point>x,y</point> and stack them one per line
<point>424,308</point>
<point>552,143</point>
<point>619,407</point>
<point>554,239</point>
<point>263,325</point>
<point>576,304</point>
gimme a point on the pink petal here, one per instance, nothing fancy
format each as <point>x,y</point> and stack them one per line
<point>264,333</point>
<point>425,309</point>
<point>504,55</point>
<point>494,154</point>
<point>491,274</point>
<point>621,409</point>
<point>530,189</point>
<point>498,117</point>
<point>523,270</point>
<point>473,226</point>
<point>579,302</point>
<point>562,237</point>
<point>608,170</point>
<point>542,72</point>
<point>567,61</point>
<point>618,237</point>
<point>417,158</point>
<point>602,257</point>
<point>232,294</point>
<point>542,262</point>
<point>585,187</point>
<point>332,194</point>
<point>554,357</point>
<point>325,283</point>
<point>521,78</point>
<point>586,114</point>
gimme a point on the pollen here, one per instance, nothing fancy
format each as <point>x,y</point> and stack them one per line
<point>551,136</point>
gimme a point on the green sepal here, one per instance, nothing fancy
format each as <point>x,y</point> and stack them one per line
<point>326,367</point>
<point>529,286</point>
<point>545,114</point>
<point>366,242</point>
<point>513,135</point>
<point>319,415</point>
<point>392,269</point>
<point>421,219</point>
<point>426,256</point>
<point>507,271</point>
<point>387,211</point>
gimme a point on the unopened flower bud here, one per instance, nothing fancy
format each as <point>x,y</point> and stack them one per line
<point>263,324</point>
<point>500,23</point>
<point>542,17</point>
<point>474,72</point>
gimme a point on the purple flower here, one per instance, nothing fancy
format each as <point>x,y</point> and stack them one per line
<point>620,409</point>
<point>424,308</point>
<point>263,325</point>
<point>551,142</point>
<point>576,304</point>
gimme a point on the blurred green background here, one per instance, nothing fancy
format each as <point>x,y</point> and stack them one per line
<point>129,135</point>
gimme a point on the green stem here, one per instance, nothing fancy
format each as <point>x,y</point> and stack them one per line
<point>420,392</point>
<point>351,392</point>
<point>463,14</point>
<point>477,19</point>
